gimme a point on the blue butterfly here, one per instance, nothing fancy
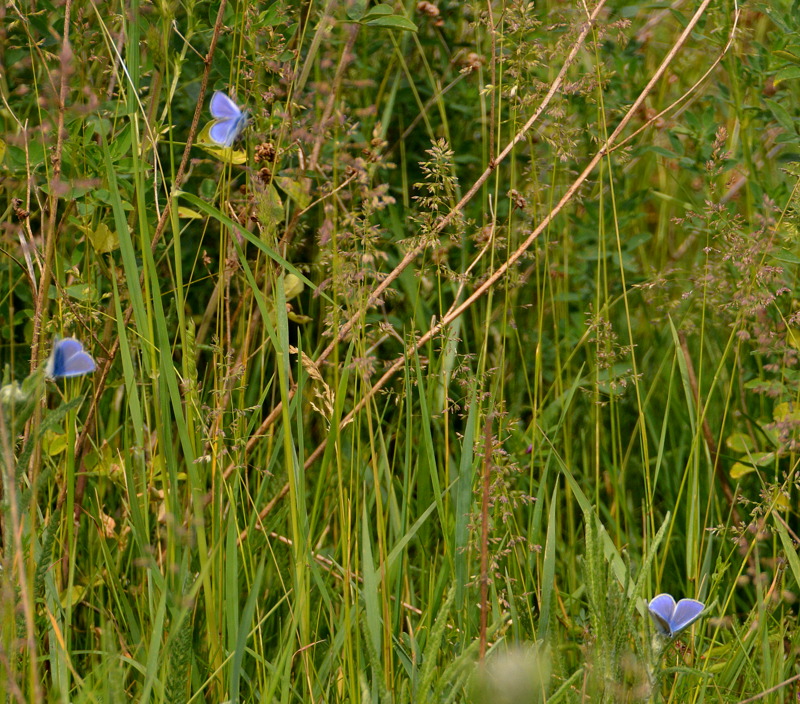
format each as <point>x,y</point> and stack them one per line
<point>230,120</point>
<point>68,359</point>
<point>671,618</point>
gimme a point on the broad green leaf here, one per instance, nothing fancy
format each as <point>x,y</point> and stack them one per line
<point>781,114</point>
<point>270,210</point>
<point>740,442</point>
<point>738,470</point>
<point>356,10</point>
<point>103,239</point>
<point>292,286</point>
<point>393,22</point>
<point>788,73</point>
<point>787,56</point>
<point>54,443</point>
<point>380,10</point>
<point>788,411</point>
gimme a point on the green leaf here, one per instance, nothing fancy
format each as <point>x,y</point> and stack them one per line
<point>740,442</point>
<point>380,10</point>
<point>787,56</point>
<point>188,213</point>
<point>292,286</point>
<point>357,9</point>
<point>393,22</point>
<point>788,73</point>
<point>782,115</point>
<point>103,239</point>
<point>739,470</point>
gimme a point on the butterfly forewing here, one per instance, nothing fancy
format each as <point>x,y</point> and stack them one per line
<point>223,108</point>
<point>69,359</point>
<point>686,612</point>
<point>661,609</point>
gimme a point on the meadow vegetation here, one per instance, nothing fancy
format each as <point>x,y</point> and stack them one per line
<point>484,333</point>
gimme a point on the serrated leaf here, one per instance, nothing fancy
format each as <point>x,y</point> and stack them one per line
<point>103,239</point>
<point>740,442</point>
<point>393,22</point>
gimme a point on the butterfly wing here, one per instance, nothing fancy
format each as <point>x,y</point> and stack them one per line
<point>661,611</point>
<point>223,108</point>
<point>230,120</point>
<point>68,359</point>
<point>224,132</point>
<point>687,611</point>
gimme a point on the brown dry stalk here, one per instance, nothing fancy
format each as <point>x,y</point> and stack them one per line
<point>413,253</point>
<point>458,309</point>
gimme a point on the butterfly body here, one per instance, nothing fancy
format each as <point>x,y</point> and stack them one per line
<point>230,120</point>
<point>68,359</point>
<point>671,618</point>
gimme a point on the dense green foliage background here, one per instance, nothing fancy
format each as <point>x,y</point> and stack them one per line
<point>483,335</point>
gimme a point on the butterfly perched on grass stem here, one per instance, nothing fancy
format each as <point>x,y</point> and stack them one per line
<point>67,359</point>
<point>671,618</point>
<point>230,120</point>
